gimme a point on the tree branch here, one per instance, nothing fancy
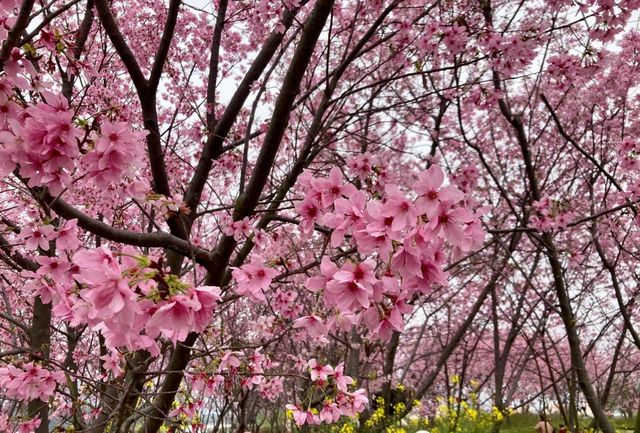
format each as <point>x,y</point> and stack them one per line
<point>280,119</point>
<point>48,19</point>
<point>213,147</point>
<point>121,46</point>
<point>247,202</point>
<point>213,64</point>
<point>20,25</point>
<point>163,48</point>
<point>153,240</point>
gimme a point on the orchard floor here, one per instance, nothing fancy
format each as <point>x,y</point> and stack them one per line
<point>524,423</point>
<point>517,423</point>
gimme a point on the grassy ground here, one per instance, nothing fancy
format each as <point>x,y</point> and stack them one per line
<point>516,423</point>
<point>525,423</point>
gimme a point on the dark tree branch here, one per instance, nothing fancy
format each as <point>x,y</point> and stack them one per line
<point>247,202</point>
<point>147,94</point>
<point>163,48</point>
<point>19,259</point>
<point>576,146</point>
<point>152,240</point>
<point>213,64</point>
<point>121,46</point>
<point>213,147</point>
<point>20,25</point>
<point>45,22</point>
<point>81,40</point>
<point>280,119</point>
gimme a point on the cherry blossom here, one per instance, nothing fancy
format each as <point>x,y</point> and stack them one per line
<point>254,278</point>
<point>257,206</point>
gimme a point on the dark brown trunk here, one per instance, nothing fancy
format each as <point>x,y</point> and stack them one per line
<point>40,343</point>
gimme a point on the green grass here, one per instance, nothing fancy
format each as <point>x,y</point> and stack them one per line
<point>525,423</point>
<point>519,423</point>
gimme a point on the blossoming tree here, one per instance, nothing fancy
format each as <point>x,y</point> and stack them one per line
<point>218,213</point>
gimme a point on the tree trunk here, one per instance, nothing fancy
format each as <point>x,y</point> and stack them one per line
<point>636,429</point>
<point>40,342</point>
<point>498,366</point>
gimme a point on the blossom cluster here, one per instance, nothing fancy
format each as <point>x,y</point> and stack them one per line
<point>551,215</point>
<point>628,155</point>
<point>117,152</point>
<point>29,382</point>
<point>236,368</point>
<point>510,54</point>
<point>27,426</point>
<point>401,237</point>
<point>338,401</point>
<point>46,144</point>
<point>253,278</point>
<point>66,237</point>
<point>127,296</point>
<point>42,140</point>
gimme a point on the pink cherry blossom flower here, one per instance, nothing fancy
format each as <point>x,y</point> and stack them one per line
<point>57,269</point>
<point>101,258</point>
<point>108,296</point>
<point>378,223</point>
<point>371,242</point>
<point>8,110</point>
<point>205,299</point>
<point>351,286</point>
<point>302,417</point>
<point>347,216</point>
<point>406,261</point>
<point>383,323</point>
<point>333,187</point>
<point>358,401</point>
<point>272,389</point>
<point>48,383</point>
<point>67,239</point>
<point>117,152</point>
<point>238,229</point>
<point>312,325</point>
<point>361,273</point>
<point>398,207</point>
<point>309,212</point>
<point>347,296</point>
<point>343,321</point>
<point>38,237</point>
<point>327,271</point>
<point>362,164</point>
<point>250,381</point>
<point>330,412</point>
<point>342,380</point>
<point>452,222</point>
<point>319,372</point>
<point>253,278</point>
<point>111,362</point>
<point>29,382</point>
<point>175,315</point>
<point>430,275</point>
<point>29,426</point>
<point>430,193</point>
<point>229,360</point>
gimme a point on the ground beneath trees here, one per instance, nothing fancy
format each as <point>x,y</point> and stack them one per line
<point>525,423</point>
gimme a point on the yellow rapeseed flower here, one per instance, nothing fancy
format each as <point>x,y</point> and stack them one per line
<point>496,414</point>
